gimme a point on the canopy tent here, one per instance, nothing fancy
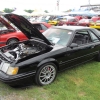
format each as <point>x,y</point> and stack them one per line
<point>38,13</point>
<point>56,13</point>
<point>20,12</point>
<point>1,12</point>
<point>86,13</point>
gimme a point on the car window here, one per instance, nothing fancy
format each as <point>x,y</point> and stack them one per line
<point>38,26</point>
<point>81,37</point>
<point>93,37</point>
<point>43,27</point>
<point>58,36</point>
<point>82,20</point>
<point>2,27</point>
<point>72,20</point>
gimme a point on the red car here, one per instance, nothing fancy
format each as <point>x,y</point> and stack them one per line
<point>85,22</point>
<point>95,18</point>
<point>9,34</point>
<point>41,26</point>
<point>68,20</point>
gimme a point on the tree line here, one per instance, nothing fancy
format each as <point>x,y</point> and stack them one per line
<point>8,10</point>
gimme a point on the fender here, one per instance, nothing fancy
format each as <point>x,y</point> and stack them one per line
<point>47,60</point>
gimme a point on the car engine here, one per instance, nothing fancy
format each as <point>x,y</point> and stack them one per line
<point>21,50</point>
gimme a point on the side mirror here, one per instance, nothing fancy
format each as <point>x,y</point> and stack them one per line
<point>73,45</point>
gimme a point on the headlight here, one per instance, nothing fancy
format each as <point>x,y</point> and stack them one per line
<point>8,69</point>
<point>12,70</point>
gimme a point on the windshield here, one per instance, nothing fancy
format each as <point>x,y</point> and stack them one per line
<point>58,36</point>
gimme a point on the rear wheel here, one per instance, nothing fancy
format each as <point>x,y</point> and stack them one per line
<point>12,41</point>
<point>46,74</point>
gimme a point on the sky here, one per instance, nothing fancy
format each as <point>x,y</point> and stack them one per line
<point>49,5</point>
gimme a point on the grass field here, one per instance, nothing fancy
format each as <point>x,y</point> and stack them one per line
<point>79,83</point>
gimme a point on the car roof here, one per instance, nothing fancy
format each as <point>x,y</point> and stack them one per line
<point>73,28</point>
<point>37,22</point>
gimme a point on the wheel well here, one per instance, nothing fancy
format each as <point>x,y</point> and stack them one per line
<point>57,65</point>
<point>11,39</point>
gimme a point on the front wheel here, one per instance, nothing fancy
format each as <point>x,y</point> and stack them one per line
<point>46,74</point>
<point>12,41</point>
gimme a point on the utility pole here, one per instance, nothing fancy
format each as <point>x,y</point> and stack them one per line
<point>89,4</point>
<point>58,5</point>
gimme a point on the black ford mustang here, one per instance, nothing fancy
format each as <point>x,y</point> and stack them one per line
<point>43,55</point>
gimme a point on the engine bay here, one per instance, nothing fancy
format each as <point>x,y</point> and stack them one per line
<point>20,50</point>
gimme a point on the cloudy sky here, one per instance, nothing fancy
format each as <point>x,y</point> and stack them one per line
<point>49,5</point>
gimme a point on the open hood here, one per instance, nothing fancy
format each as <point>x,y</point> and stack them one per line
<point>5,23</point>
<point>26,27</point>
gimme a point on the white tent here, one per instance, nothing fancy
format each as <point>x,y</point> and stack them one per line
<point>37,13</point>
<point>56,13</point>
<point>20,12</point>
<point>88,13</point>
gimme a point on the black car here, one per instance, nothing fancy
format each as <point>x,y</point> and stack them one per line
<point>43,55</point>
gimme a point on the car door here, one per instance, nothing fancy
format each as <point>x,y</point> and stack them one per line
<point>73,22</point>
<point>85,50</point>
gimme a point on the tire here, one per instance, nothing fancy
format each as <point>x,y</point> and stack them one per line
<point>11,41</point>
<point>98,57</point>
<point>46,74</point>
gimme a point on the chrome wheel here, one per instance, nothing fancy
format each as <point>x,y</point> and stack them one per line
<point>46,74</point>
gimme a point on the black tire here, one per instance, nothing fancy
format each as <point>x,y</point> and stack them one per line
<point>11,41</point>
<point>98,57</point>
<point>46,74</point>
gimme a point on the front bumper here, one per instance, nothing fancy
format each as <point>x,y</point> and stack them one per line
<point>17,80</point>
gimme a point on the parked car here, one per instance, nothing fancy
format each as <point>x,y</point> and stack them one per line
<point>79,17</point>
<point>42,56</point>
<point>95,25</point>
<point>54,21</point>
<point>95,18</point>
<point>85,22</point>
<point>9,34</point>
<point>68,20</point>
<point>41,26</point>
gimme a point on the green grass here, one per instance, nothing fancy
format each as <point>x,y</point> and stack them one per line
<point>79,83</point>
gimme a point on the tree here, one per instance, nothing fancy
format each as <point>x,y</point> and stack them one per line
<point>69,10</point>
<point>29,11</point>
<point>46,11</point>
<point>8,10</point>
